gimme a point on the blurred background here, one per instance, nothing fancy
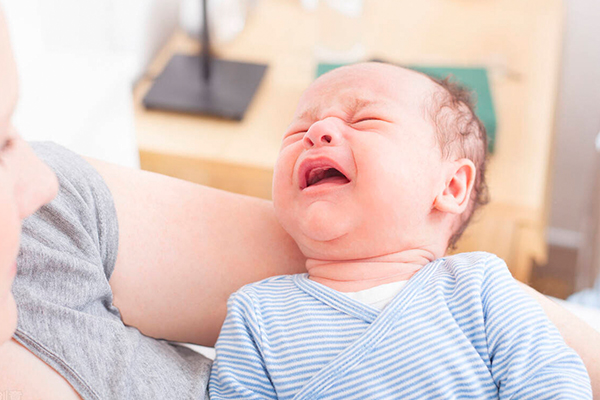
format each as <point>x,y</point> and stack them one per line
<point>86,65</point>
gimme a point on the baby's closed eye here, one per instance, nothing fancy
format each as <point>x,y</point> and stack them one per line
<point>368,122</point>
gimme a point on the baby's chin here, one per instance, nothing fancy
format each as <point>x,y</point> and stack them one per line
<point>328,242</point>
<point>321,228</point>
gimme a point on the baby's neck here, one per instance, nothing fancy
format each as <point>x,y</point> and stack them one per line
<point>355,275</point>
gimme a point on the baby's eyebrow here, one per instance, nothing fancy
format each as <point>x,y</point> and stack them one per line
<point>310,114</point>
<point>357,104</point>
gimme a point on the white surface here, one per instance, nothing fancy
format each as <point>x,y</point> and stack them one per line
<point>78,61</point>
<point>378,296</point>
<point>81,102</point>
<point>136,28</point>
<point>206,351</point>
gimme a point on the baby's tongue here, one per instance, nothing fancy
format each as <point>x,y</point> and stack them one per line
<point>336,179</point>
<point>331,175</point>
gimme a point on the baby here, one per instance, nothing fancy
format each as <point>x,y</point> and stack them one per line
<point>378,175</point>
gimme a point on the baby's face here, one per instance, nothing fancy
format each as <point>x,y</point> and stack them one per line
<point>359,167</point>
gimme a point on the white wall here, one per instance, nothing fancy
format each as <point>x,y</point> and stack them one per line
<point>78,60</point>
<point>578,123</point>
<point>137,28</point>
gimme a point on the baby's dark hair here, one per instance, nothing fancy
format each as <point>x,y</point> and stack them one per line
<point>460,134</point>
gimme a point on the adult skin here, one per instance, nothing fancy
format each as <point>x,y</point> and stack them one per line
<point>25,185</point>
<point>183,249</point>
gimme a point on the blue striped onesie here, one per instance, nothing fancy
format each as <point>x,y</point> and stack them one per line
<point>460,329</point>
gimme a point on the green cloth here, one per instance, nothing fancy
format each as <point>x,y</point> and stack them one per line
<point>474,78</point>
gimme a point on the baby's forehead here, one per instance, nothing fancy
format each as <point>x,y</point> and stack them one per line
<point>349,104</point>
<point>371,85</point>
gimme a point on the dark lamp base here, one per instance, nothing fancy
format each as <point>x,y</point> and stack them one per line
<point>227,93</point>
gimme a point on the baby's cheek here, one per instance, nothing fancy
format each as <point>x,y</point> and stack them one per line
<point>282,191</point>
<point>280,185</point>
<point>283,173</point>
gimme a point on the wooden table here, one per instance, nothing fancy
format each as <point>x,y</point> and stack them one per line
<point>518,41</point>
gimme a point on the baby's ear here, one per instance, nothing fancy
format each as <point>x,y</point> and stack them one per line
<point>459,183</point>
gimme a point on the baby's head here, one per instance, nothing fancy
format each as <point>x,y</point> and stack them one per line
<point>379,159</point>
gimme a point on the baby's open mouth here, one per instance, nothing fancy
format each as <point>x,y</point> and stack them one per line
<point>318,176</point>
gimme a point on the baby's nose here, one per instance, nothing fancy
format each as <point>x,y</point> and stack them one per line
<point>322,133</point>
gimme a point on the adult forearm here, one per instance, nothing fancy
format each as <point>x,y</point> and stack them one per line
<point>184,248</point>
<point>576,333</point>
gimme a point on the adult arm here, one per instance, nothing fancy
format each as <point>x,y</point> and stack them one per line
<point>577,334</point>
<point>184,248</point>
<point>23,375</point>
